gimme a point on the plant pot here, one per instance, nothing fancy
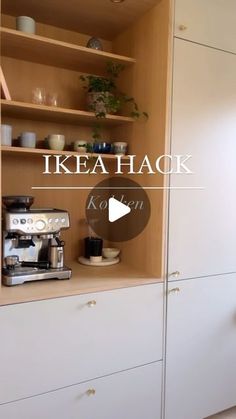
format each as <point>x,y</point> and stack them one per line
<point>96,102</point>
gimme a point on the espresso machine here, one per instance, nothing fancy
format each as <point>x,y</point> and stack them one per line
<point>32,248</point>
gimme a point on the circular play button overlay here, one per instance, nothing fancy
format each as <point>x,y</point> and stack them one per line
<point>118,209</point>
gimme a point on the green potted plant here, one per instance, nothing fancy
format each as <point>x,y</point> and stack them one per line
<point>103,96</point>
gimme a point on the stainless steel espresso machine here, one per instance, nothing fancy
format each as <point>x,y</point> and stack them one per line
<point>32,249</point>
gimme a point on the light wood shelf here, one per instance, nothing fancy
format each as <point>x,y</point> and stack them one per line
<point>49,51</point>
<point>31,111</point>
<point>45,151</point>
<point>85,279</point>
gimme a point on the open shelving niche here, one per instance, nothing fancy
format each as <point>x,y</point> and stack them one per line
<point>145,78</point>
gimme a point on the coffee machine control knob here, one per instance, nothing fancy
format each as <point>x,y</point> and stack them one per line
<point>40,225</point>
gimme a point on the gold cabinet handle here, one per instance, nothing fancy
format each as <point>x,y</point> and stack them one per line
<point>183,27</point>
<point>175,274</point>
<point>91,392</point>
<point>174,290</point>
<point>91,303</point>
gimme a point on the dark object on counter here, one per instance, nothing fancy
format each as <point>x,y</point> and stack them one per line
<point>92,247</point>
<point>39,265</point>
<point>21,202</point>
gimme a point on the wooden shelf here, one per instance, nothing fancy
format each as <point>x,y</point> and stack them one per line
<point>85,279</point>
<point>48,51</point>
<point>31,111</point>
<point>45,151</point>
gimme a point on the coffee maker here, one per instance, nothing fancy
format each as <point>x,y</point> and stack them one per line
<point>32,248</point>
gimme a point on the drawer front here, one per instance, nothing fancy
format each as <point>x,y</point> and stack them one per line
<point>133,394</point>
<point>50,344</point>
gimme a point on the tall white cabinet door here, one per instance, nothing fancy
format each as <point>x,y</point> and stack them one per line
<point>208,22</point>
<point>202,228</point>
<point>134,394</point>
<point>201,347</point>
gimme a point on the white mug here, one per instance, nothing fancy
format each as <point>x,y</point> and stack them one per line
<point>25,24</point>
<point>28,139</point>
<point>80,146</point>
<point>56,142</point>
<point>6,135</point>
<point>120,148</point>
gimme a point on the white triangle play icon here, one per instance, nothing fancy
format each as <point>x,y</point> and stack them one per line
<point>117,210</point>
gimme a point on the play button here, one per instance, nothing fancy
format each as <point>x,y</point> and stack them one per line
<point>117,210</point>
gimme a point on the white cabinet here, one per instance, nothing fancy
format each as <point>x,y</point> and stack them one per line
<point>134,394</point>
<point>201,347</point>
<point>202,229</point>
<point>208,22</point>
<point>50,344</point>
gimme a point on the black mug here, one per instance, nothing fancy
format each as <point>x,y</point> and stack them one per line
<point>92,247</point>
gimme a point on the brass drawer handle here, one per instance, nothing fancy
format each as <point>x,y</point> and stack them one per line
<point>183,27</point>
<point>175,274</point>
<point>174,290</point>
<point>91,303</point>
<point>91,392</point>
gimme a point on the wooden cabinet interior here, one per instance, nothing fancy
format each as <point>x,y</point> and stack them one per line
<point>146,40</point>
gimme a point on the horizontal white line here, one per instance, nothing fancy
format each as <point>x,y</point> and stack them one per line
<point>66,188</point>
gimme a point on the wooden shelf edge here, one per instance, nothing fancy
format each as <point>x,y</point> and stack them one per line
<point>45,151</point>
<point>11,105</point>
<point>53,42</point>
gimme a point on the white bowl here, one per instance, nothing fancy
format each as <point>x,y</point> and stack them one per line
<point>110,252</point>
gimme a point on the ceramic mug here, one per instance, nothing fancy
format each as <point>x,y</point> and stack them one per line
<point>80,146</point>
<point>25,24</point>
<point>6,135</point>
<point>120,148</point>
<point>28,139</point>
<point>56,142</point>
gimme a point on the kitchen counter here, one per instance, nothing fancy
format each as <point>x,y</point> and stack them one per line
<point>84,280</point>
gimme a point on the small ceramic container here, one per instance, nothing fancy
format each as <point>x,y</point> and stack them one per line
<point>120,148</point>
<point>56,142</point>
<point>25,24</point>
<point>102,147</point>
<point>6,135</point>
<point>110,252</point>
<point>95,43</point>
<point>80,146</point>
<point>28,139</point>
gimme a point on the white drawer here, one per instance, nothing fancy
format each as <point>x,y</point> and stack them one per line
<point>50,344</point>
<point>133,394</point>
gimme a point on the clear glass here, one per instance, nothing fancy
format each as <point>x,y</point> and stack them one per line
<point>39,96</point>
<point>52,99</point>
